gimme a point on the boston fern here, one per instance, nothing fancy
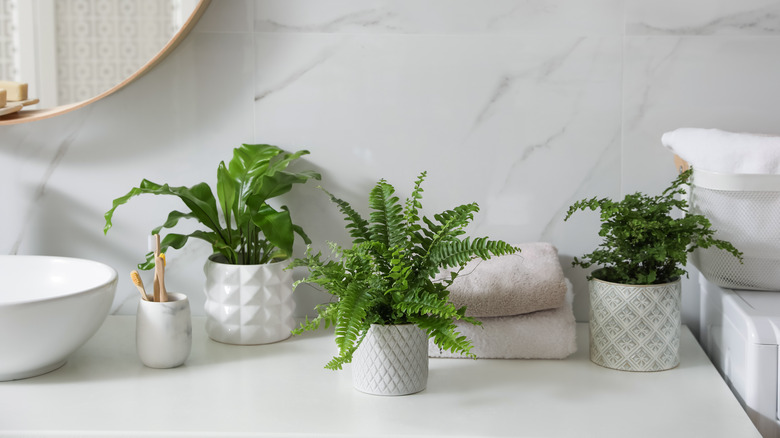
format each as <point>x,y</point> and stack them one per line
<point>248,230</point>
<point>643,243</point>
<point>387,276</point>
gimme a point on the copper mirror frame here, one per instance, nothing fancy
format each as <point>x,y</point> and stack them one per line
<point>40,114</point>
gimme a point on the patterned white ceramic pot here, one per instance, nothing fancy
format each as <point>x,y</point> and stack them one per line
<point>391,360</point>
<point>635,327</point>
<point>248,304</point>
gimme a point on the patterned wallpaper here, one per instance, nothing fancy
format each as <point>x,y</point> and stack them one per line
<point>101,42</point>
<point>7,40</point>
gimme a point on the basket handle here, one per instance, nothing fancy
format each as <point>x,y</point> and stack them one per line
<point>680,164</point>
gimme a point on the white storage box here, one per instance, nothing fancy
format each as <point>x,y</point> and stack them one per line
<point>740,331</point>
<point>745,210</point>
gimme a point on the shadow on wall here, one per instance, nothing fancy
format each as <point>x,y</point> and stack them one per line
<point>328,225</point>
<point>579,281</point>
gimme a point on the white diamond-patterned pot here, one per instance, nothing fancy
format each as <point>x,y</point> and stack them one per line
<point>635,327</point>
<point>391,360</point>
<point>248,304</point>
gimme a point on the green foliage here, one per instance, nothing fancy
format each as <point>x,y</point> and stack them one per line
<point>388,275</point>
<point>643,243</point>
<point>251,231</point>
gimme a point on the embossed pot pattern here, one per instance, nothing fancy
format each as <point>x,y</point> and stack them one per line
<point>391,360</point>
<point>635,327</point>
<point>248,304</point>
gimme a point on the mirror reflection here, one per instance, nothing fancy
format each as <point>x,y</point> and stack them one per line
<point>69,51</point>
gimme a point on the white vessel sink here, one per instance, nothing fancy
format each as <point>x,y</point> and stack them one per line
<point>49,307</point>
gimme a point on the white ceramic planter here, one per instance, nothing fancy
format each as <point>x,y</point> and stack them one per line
<point>391,360</point>
<point>248,304</point>
<point>163,331</point>
<point>635,327</point>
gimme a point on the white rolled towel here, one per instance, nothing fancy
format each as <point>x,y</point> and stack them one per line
<point>547,334</point>
<point>715,150</point>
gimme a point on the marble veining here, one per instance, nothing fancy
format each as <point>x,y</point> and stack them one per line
<point>546,143</point>
<point>759,21</point>
<point>654,68</point>
<point>362,19</point>
<point>320,59</point>
<point>594,173</point>
<point>539,73</point>
<point>40,189</point>
<point>452,17</point>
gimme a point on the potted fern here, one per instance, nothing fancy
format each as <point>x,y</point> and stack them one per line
<point>248,291</point>
<point>388,303</point>
<point>635,295</point>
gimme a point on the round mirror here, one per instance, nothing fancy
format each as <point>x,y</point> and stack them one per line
<point>74,52</point>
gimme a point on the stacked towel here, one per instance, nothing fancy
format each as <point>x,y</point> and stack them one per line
<point>547,334</point>
<point>513,284</point>
<point>524,303</point>
<point>727,152</point>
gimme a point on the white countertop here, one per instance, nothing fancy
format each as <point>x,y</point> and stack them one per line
<point>282,390</point>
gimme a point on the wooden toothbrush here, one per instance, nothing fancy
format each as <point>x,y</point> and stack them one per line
<point>136,277</point>
<point>159,269</point>
<point>156,286</point>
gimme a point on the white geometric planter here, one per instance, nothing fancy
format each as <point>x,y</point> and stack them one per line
<point>635,327</point>
<point>248,304</point>
<point>391,360</point>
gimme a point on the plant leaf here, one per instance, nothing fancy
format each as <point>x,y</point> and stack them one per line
<point>199,199</point>
<point>280,183</point>
<point>228,192</point>
<point>276,225</point>
<point>177,241</point>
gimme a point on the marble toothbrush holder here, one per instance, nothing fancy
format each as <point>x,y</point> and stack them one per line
<point>163,331</point>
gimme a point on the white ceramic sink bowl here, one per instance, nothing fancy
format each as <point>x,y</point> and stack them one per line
<point>49,307</point>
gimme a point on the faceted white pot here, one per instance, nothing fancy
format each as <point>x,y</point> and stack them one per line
<point>635,327</point>
<point>248,304</point>
<point>391,360</point>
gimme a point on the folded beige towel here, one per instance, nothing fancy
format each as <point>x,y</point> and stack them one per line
<point>511,284</point>
<point>547,334</point>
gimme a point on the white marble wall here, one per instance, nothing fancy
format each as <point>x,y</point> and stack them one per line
<point>521,106</point>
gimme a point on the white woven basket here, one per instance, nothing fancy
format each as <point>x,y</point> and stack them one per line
<point>745,210</point>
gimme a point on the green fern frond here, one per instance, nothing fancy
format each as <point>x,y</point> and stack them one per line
<point>451,224</point>
<point>450,254</point>
<point>445,335</point>
<point>328,275</point>
<point>428,233</point>
<point>457,218</point>
<point>337,362</point>
<point>344,357</point>
<point>400,269</point>
<point>357,226</point>
<point>386,222</point>
<point>413,205</point>
<point>326,313</point>
<point>428,304</point>
<point>351,317</point>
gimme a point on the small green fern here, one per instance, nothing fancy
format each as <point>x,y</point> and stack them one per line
<point>387,276</point>
<point>643,243</point>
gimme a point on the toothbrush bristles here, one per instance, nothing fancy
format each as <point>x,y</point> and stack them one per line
<point>136,277</point>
